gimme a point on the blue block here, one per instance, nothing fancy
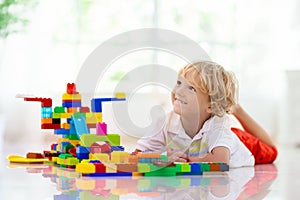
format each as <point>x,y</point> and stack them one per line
<point>117,148</point>
<point>109,174</point>
<point>96,105</point>
<point>195,167</point>
<point>62,131</point>
<point>79,125</point>
<point>71,104</point>
<point>81,149</point>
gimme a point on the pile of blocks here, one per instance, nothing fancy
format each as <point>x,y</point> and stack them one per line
<point>100,153</point>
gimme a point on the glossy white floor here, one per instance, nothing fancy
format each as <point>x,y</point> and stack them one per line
<point>22,181</point>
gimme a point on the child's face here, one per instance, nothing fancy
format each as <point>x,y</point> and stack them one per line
<point>188,100</point>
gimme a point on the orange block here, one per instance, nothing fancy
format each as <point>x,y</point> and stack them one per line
<point>46,120</point>
<point>72,110</point>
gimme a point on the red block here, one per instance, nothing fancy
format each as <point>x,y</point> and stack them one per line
<point>100,167</point>
<point>50,126</point>
<point>71,88</point>
<point>84,109</point>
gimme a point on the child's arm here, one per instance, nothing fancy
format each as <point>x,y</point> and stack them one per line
<point>250,125</point>
<point>218,154</point>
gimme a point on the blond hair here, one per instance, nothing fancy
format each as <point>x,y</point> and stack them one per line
<point>212,79</point>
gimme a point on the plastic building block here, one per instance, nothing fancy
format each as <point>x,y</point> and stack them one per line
<point>71,88</point>
<point>101,128</point>
<point>80,125</point>
<point>34,155</point>
<point>100,147</point>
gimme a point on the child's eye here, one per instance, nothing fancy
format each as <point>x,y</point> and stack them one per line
<point>178,82</point>
<point>192,88</point>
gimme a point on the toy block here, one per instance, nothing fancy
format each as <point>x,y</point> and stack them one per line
<point>71,104</point>
<point>205,167</point>
<point>120,95</point>
<point>62,131</point>
<point>56,121</point>
<point>127,167</point>
<point>214,167</point>
<point>72,110</point>
<point>46,120</point>
<point>110,167</point>
<point>88,139</point>
<point>91,125</point>
<point>184,167</point>
<point>117,148</point>
<point>72,151</point>
<point>85,168</point>
<point>78,114</point>
<point>71,88</point>
<point>82,152</point>
<point>50,126</point>
<point>102,157</point>
<point>143,167</point>
<point>115,174</point>
<point>80,125</point>
<point>161,171</point>
<point>67,96</point>
<point>46,112</point>
<point>100,147</point>
<point>224,167</point>
<point>98,116</point>
<point>55,115</point>
<point>45,102</point>
<point>119,157</point>
<point>133,159</point>
<point>65,126</point>
<point>72,161</point>
<point>34,155</point>
<point>100,167</point>
<point>84,109</point>
<point>65,115</point>
<point>91,118</point>
<point>59,109</point>
<point>96,106</point>
<point>114,139</point>
<point>101,128</point>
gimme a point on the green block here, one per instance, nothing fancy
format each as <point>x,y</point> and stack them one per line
<point>67,147</point>
<point>78,114</point>
<point>72,136</point>
<point>161,171</point>
<point>59,109</point>
<point>65,155</point>
<point>72,161</point>
<point>184,167</point>
<point>114,139</point>
<point>88,139</point>
<point>55,115</point>
<point>143,167</point>
<point>204,167</point>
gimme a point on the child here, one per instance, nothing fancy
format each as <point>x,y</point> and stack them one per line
<point>199,129</point>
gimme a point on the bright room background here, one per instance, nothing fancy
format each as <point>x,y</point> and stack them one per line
<point>258,40</point>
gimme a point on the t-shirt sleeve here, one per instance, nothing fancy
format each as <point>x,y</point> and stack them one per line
<point>221,137</point>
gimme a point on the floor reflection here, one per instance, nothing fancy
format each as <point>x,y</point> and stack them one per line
<point>240,183</point>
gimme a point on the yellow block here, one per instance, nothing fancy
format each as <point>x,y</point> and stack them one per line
<point>67,96</point>
<point>119,157</point>
<point>90,118</point>
<point>85,168</point>
<point>120,95</point>
<point>99,116</point>
<point>103,157</point>
<point>65,115</point>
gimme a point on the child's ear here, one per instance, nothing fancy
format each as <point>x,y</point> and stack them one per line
<point>209,110</point>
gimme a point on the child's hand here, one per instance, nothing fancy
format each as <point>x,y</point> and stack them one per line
<point>176,156</point>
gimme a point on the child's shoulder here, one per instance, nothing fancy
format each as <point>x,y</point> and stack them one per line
<point>217,122</point>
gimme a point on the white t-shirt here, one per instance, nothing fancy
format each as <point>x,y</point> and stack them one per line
<point>215,132</point>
